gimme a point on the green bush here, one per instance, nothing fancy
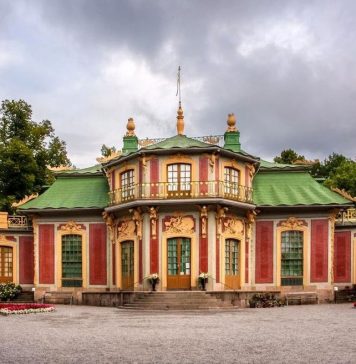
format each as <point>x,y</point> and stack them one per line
<point>262,300</point>
<point>9,291</point>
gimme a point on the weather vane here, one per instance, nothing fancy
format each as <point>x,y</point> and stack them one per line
<point>178,87</point>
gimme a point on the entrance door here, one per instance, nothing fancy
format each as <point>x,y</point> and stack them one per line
<point>232,264</point>
<point>179,264</point>
<point>6,264</point>
<point>127,265</point>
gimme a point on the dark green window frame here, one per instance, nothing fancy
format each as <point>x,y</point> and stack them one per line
<point>292,258</point>
<point>72,275</point>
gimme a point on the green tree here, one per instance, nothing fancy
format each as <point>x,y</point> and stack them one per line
<point>344,177</point>
<point>288,156</point>
<point>27,148</point>
<point>326,168</point>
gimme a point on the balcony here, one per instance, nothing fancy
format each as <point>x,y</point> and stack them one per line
<point>14,222</point>
<point>347,217</point>
<point>188,190</point>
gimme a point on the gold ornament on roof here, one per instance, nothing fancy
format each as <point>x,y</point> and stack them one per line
<point>231,122</point>
<point>180,120</point>
<point>344,194</point>
<point>130,127</point>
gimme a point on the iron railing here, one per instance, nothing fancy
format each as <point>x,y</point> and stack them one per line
<point>186,190</point>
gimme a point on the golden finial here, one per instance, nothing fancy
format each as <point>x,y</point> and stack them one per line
<point>231,122</point>
<point>180,120</point>
<point>130,127</point>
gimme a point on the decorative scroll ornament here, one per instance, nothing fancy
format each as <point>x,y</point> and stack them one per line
<point>113,154</point>
<point>211,139</point>
<point>212,160</point>
<point>153,218</point>
<point>220,214</point>
<point>24,200</point>
<point>250,219</point>
<point>233,226</point>
<point>180,225</point>
<point>344,194</point>
<point>109,221</point>
<point>71,227</point>
<point>4,239</point>
<point>204,218</point>
<point>251,169</point>
<point>292,223</point>
<point>137,219</point>
<point>126,229</point>
<point>61,168</point>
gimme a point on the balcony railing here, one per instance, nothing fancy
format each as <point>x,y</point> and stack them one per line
<point>186,190</point>
<point>348,216</point>
<point>14,222</point>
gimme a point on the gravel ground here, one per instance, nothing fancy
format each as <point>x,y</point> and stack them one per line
<point>81,334</point>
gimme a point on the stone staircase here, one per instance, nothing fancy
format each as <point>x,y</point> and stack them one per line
<point>24,297</point>
<point>177,300</point>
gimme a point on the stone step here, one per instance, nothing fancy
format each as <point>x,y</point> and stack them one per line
<point>24,297</point>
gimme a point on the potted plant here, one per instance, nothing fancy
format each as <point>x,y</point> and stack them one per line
<point>153,279</point>
<point>203,280</point>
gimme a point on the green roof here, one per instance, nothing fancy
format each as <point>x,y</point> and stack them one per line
<point>292,189</point>
<point>271,165</point>
<point>178,141</point>
<point>84,192</point>
<point>84,171</point>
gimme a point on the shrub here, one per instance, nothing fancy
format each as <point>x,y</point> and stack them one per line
<point>263,300</point>
<point>9,291</point>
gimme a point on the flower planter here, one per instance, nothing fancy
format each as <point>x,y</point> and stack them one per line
<point>24,308</point>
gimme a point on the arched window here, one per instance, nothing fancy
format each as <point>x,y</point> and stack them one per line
<point>179,179</point>
<point>127,185</point>
<point>231,182</point>
<point>292,258</point>
<point>6,264</point>
<point>72,275</point>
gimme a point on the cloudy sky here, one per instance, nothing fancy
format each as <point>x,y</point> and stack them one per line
<point>287,69</point>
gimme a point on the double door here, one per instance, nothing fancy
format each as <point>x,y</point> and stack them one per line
<point>179,264</point>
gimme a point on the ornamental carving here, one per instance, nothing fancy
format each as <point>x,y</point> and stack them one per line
<point>250,219</point>
<point>137,219</point>
<point>251,169</point>
<point>204,219</point>
<point>292,223</point>
<point>109,221</point>
<point>233,226</point>
<point>220,215</point>
<point>179,224</point>
<point>71,227</point>
<point>6,239</point>
<point>153,219</point>
<point>126,229</point>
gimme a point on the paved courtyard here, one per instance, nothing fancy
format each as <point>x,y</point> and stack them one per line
<point>79,334</point>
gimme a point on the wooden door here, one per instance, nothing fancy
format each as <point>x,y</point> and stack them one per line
<point>179,263</point>
<point>127,265</point>
<point>232,264</point>
<point>6,264</point>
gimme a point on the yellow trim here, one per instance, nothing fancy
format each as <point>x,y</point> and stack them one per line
<point>12,244</point>
<point>58,256</point>
<point>306,244</point>
<point>193,255</point>
<point>241,239</point>
<point>118,260</point>
<point>232,163</point>
<point>176,159</point>
<point>122,169</point>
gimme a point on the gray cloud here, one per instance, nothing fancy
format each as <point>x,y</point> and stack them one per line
<point>286,68</point>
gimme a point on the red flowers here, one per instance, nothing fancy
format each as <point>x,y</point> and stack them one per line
<point>23,308</point>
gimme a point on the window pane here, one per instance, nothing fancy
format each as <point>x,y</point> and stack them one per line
<point>292,258</point>
<point>71,259</point>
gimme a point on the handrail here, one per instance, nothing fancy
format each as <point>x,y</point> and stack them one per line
<point>186,190</point>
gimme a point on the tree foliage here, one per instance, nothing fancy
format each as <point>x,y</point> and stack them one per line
<point>344,177</point>
<point>288,156</point>
<point>26,149</point>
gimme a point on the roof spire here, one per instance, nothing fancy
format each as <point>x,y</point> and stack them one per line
<point>180,116</point>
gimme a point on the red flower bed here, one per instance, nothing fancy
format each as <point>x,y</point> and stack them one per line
<point>23,308</point>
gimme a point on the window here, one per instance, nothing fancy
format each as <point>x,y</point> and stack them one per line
<point>72,261</point>
<point>292,258</point>
<point>231,257</point>
<point>127,185</point>
<point>6,261</point>
<point>179,179</point>
<point>231,182</point>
